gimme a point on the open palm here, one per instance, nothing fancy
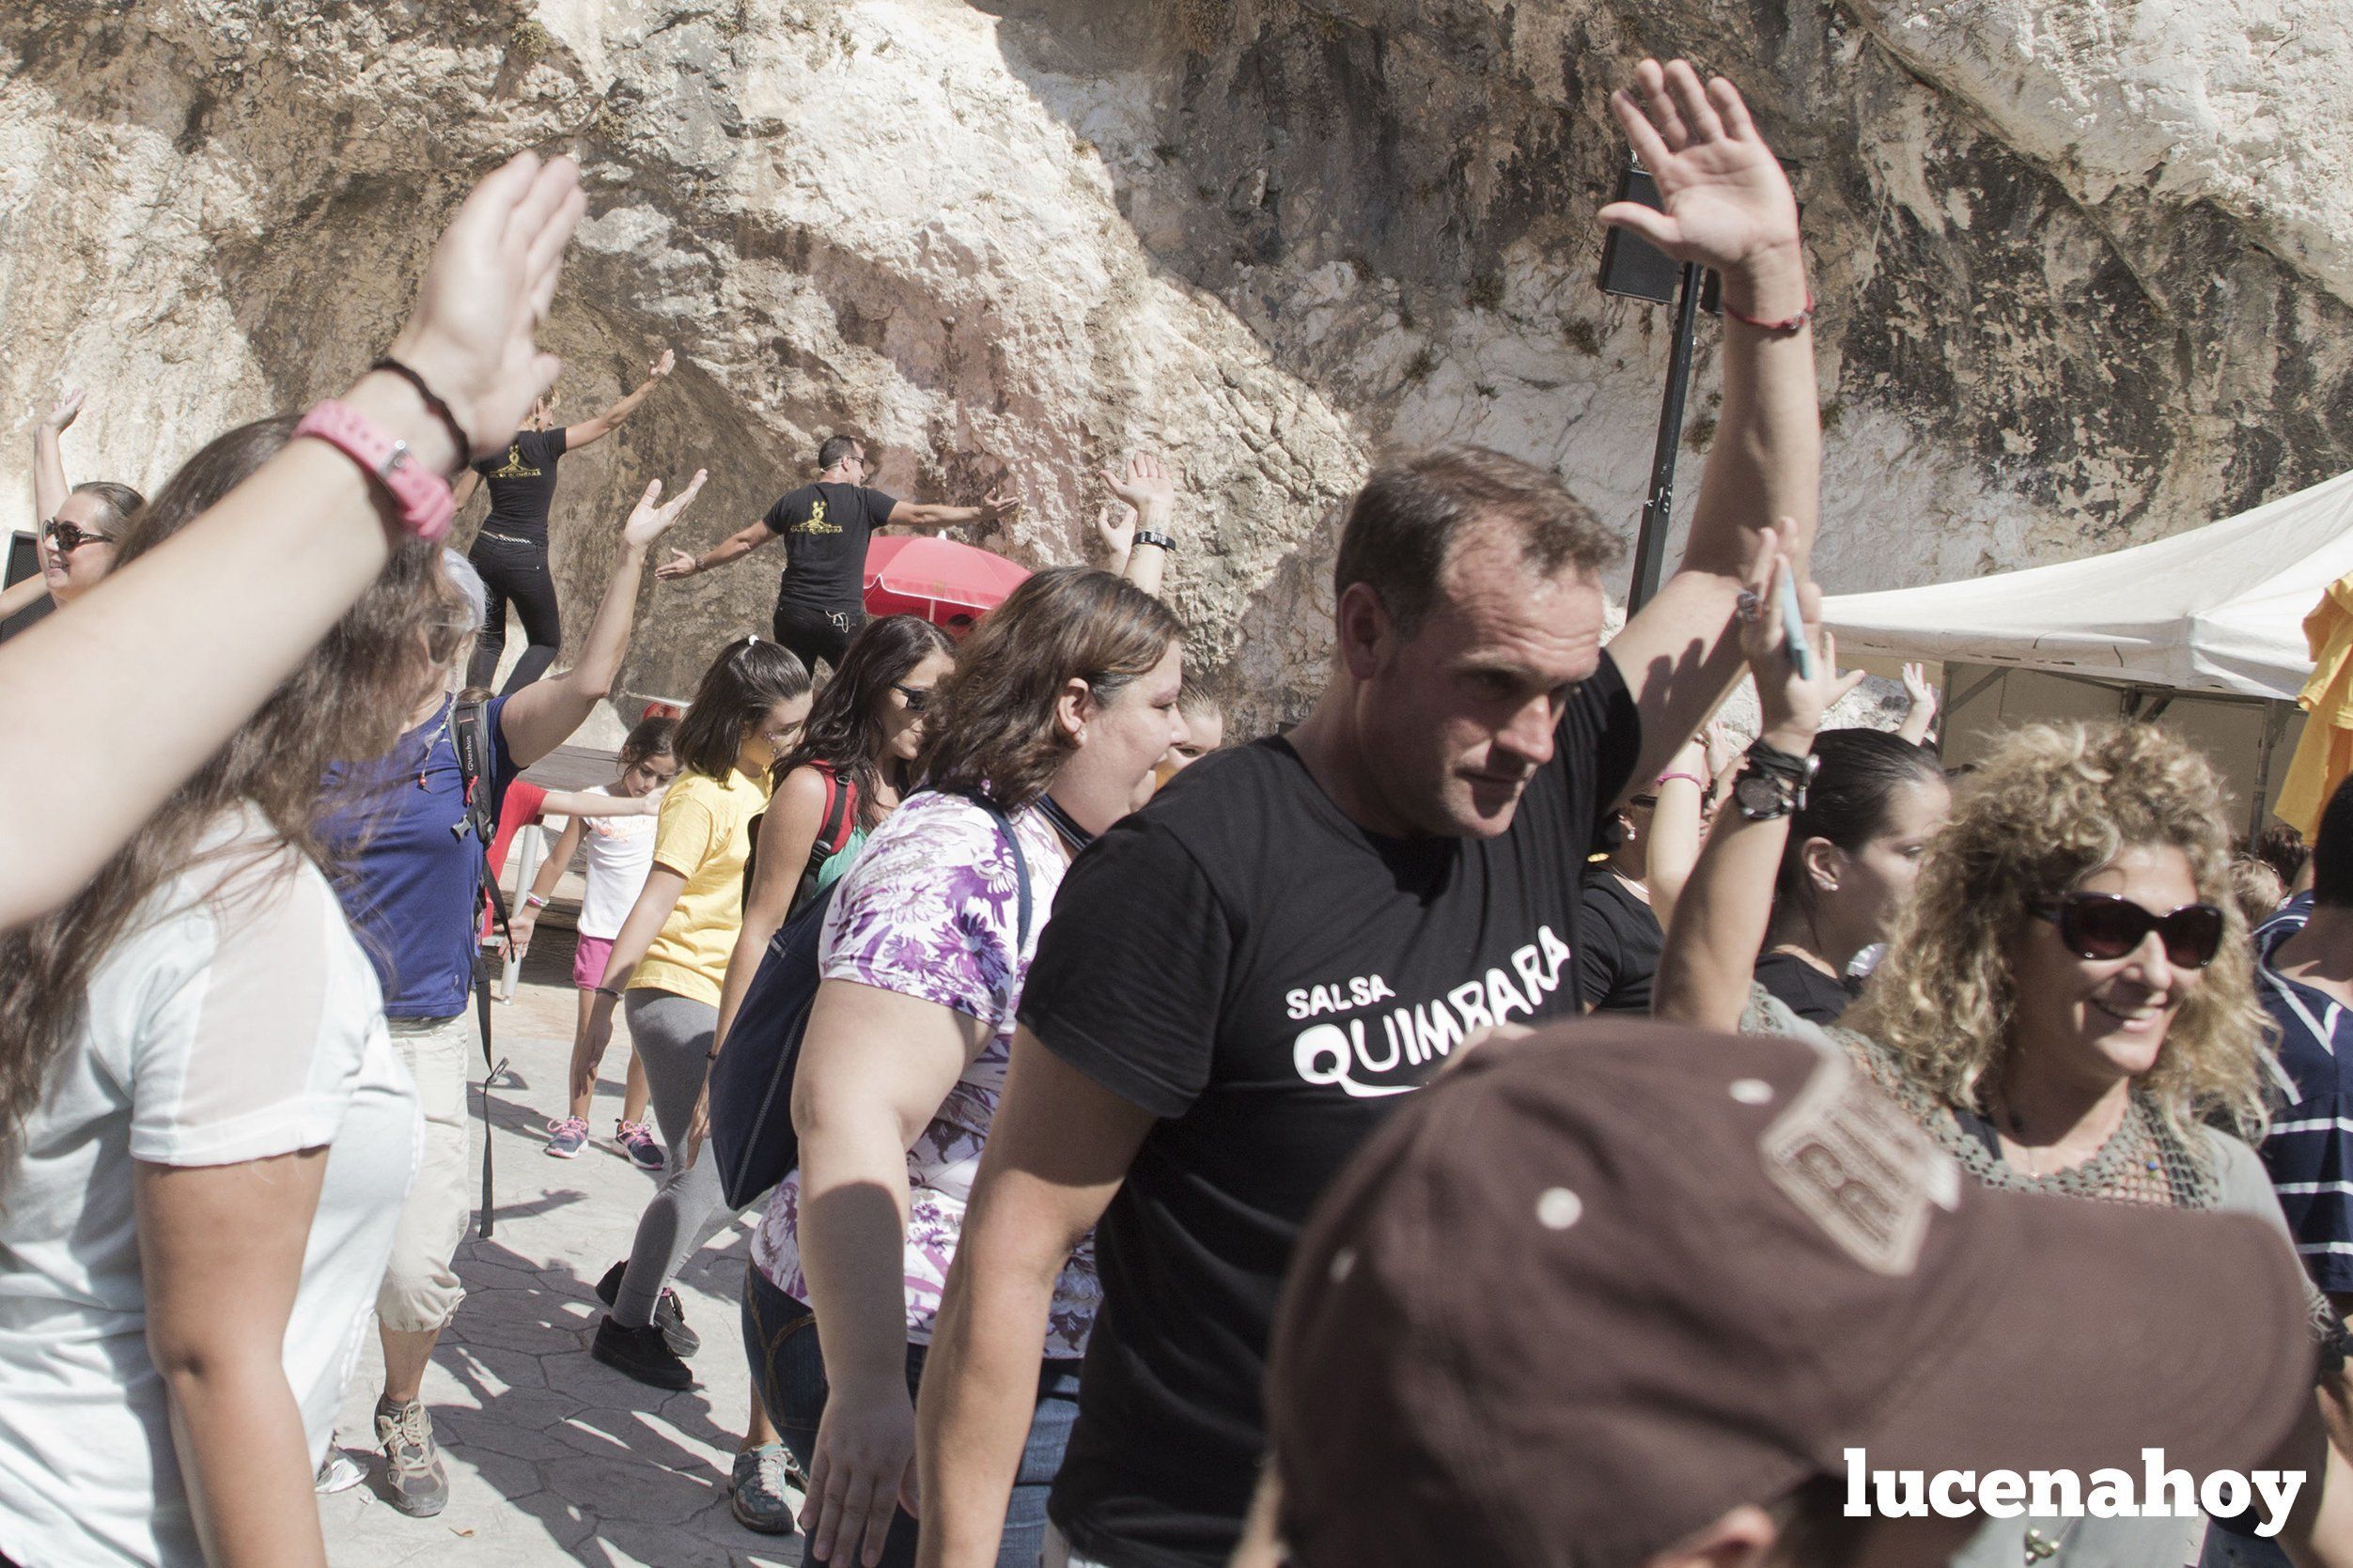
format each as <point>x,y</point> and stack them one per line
<point>1726,201</point>
<point>654,517</point>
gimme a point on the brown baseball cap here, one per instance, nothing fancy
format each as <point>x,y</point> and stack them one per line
<point>1595,1289</point>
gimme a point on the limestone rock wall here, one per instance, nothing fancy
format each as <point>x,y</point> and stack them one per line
<point>2083,266</point>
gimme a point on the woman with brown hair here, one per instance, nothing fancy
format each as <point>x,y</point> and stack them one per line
<point>1060,704</point>
<point>195,1047</point>
<point>80,525</point>
<point>2067,1001</point>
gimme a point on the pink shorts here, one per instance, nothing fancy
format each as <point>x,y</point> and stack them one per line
<point>589,962</point>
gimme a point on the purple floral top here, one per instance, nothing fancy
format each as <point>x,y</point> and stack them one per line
<point>930,909</point>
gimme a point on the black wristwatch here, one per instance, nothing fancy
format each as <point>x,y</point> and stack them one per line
<point>1773,784</point>
<point>1154,536</point>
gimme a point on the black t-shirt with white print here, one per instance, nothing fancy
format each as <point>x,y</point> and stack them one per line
<point>825,527</point>
<point>1267,978</point>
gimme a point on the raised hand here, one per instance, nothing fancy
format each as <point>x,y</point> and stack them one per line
<point>998,509</point>
<point>1118,534</point>
<point>662,367</point>
<point>486,290</point>
<point>652,518</point>
<point>680,564</point>
<point>1791,706</point>
<point>68,406</point>
<point>1727,204</point>
<point>1144,485</point>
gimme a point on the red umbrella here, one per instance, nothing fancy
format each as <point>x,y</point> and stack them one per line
<point>947,583</point>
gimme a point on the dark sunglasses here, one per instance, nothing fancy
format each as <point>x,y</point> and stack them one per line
<point>916,697</point>
<point>70,537</point>
<point>2101,925</point>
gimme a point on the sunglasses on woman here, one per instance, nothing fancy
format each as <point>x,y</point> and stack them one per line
<point>917,698</point>
<point>2101,925</point>
<point>70,537</point>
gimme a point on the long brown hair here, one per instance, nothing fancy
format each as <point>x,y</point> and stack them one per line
<point>844,732</point>
<point>344,703</point>
<point>752,674</point>
<point>994,727</point>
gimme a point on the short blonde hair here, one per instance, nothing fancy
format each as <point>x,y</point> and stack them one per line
<point>2052,805</point>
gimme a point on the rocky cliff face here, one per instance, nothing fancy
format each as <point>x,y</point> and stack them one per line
<point>2084,267</point>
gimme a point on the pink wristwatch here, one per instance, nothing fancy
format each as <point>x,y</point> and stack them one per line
<point>427,506</point>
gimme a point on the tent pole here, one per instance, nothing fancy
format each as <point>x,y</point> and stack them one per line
<point>1650,544</point>
<point>2274,724</point>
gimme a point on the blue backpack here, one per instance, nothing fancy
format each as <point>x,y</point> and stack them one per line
<point>751,1083</point>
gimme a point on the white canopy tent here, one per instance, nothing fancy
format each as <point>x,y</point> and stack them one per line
<point>2202,632</point>
<point>2218,609</point>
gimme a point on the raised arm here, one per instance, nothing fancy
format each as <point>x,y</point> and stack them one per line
<point>875,1065</point>
<point>930,514</point>
<point>1729,207</point>
<point>735,547</point>
<point>1147,487</point>
<point>1672,845</point>
<point>1059,1148</point>
<point>50,488</point>
<point>235,1423</point>
<point>589,431</point>
<point>1923,711</point>
<point>543,715</point>
<point>1710,959</point>
<point>259,578</point>
<point>20,596</point>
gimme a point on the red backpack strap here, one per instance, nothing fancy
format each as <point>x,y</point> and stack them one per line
<point>840,793</point>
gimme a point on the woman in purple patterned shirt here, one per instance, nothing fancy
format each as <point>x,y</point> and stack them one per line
<point>1061,702</point>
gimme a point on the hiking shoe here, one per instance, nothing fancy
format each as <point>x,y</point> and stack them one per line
<point>337,1473</point>
<point>759,1502</point>
<point>669,1316</point>
<point>640,1353</point>
<point>637,1142</point>
<point>566,1137</point>
<point>419,1484</point>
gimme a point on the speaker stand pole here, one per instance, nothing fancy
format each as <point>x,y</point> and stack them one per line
<point>1650,545</point>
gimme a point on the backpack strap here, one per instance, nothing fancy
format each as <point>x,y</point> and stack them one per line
<point>470,736</point>
<point>1021,862</point>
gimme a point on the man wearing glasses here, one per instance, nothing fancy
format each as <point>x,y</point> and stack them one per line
<point>825,525</point>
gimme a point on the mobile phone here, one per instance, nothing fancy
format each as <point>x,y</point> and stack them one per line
<point>1793,625</point>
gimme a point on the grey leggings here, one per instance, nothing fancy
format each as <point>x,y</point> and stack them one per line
<point>672,1035</point>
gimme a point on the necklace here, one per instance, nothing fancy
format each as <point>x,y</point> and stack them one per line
<point>1076,837</point>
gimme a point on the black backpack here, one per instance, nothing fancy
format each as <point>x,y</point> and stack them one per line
<point>751,1083</point>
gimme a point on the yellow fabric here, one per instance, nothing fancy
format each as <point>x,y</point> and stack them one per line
<point>2325,755</point>
<point>704,834</point>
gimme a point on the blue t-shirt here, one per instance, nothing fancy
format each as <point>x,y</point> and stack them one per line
<point>2310,1152</point>
<point>399,828</point>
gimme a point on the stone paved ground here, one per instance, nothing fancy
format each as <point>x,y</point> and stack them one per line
<point>552,1458</point>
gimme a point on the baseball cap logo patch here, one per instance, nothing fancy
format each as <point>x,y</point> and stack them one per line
<point>1858,1167</point>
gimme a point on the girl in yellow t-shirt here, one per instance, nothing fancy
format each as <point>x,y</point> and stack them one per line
<point>672,959</point>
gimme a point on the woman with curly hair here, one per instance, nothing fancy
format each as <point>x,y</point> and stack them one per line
<point>2068,1004</point>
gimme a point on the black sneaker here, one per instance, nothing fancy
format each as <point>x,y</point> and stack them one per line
<point>640,1353</point>
<point>669,1316</point>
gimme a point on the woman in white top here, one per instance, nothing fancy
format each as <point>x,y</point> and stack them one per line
<point>193,1049</point>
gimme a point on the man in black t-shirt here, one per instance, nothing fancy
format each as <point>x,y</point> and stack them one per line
<point>1242,979</point>
<point>511,549</point>
<point>825,527</point>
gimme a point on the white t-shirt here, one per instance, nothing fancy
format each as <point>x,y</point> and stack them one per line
<point>238,1019</point>
<point>621,856</point>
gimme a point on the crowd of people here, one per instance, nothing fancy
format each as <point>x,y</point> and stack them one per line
<point>1182,1171</point>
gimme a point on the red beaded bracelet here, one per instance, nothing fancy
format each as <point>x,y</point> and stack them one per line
<point>1782,329</point>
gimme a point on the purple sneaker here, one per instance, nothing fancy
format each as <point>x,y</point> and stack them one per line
<point>567,1138</point>
<point>637,1142</point>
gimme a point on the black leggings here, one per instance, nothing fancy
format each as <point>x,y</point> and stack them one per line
<point>514,569</point>
<point>814,634</point>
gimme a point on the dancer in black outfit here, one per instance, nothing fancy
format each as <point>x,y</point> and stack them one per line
<point>512,551</point>
<point>826,525</point>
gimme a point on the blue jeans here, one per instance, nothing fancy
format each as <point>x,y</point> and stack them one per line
<point>788,1370</point>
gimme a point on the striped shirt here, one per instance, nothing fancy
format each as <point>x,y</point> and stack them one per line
<point>2310,1152</point>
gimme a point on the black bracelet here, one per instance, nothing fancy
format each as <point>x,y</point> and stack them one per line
<point>434,406</point>
<point>1153,536</point>
<point>1772,759</point>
